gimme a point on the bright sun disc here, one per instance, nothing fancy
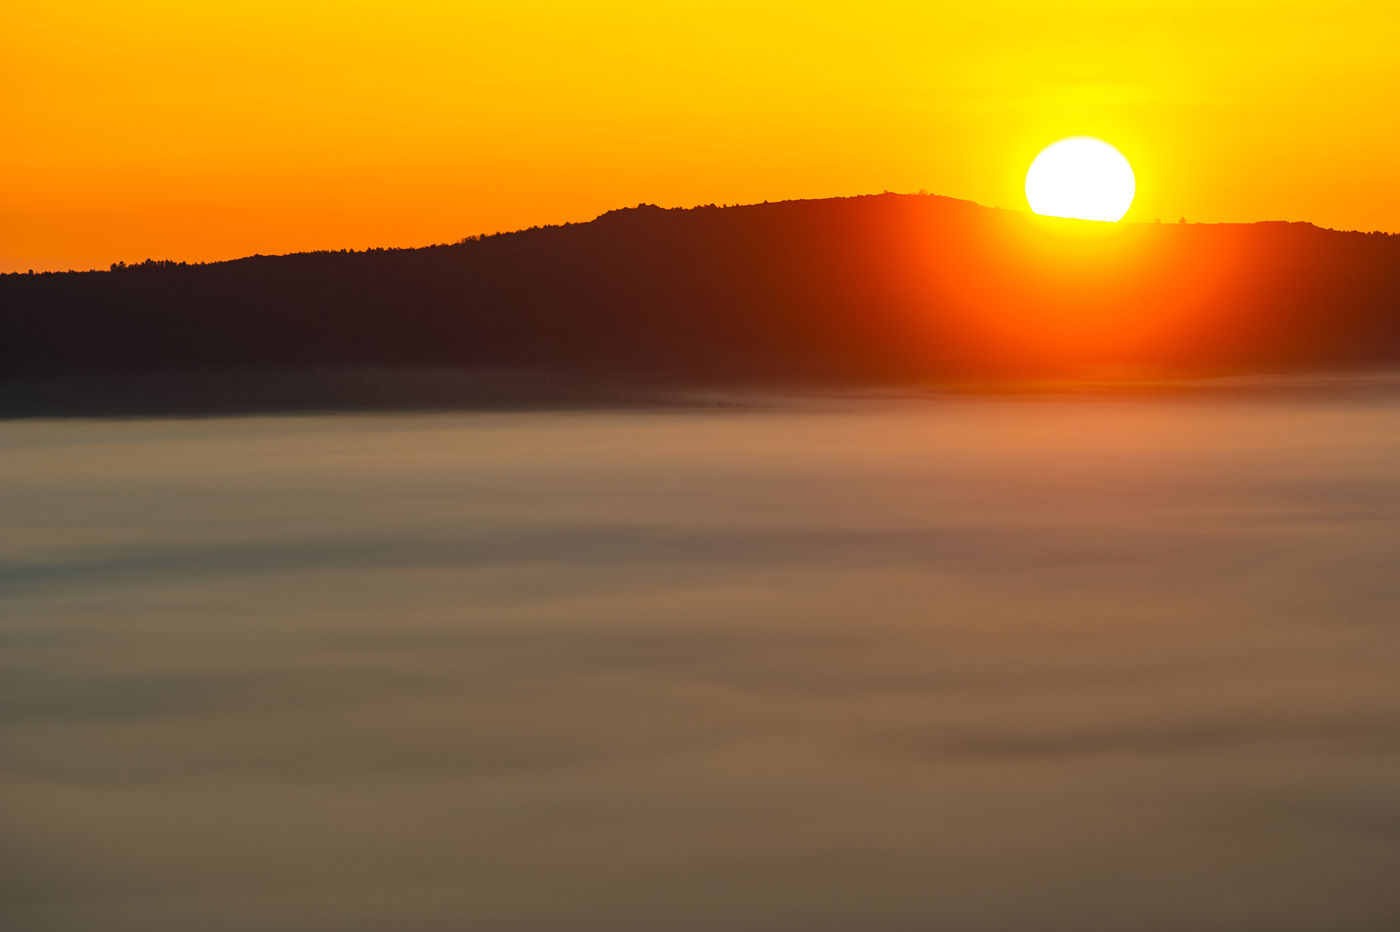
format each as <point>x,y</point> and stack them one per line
<point>1083,178</point>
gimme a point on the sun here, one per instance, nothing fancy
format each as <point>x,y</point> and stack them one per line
<point>1083,178</point>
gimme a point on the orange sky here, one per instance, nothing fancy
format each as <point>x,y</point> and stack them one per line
<point>203,131</point>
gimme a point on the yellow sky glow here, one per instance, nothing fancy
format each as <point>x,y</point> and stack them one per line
<point>206,131</point>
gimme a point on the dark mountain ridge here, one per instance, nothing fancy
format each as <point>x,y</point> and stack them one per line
<point>885,288</point>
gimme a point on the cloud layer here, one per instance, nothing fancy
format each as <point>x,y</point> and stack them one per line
<point>1079,664</point>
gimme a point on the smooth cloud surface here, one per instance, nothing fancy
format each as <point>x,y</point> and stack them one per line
<point>1081,664</point>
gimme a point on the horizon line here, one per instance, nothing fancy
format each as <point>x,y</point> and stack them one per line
<point>120,265</point>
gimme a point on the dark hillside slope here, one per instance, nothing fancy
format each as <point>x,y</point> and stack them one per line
<point>889,287</point>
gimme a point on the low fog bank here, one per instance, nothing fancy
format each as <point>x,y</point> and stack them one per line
<point>241,392</point>
<point>389,389</point>
<point>973,664</point>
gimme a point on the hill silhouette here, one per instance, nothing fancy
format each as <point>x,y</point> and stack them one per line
<point>863,290</point>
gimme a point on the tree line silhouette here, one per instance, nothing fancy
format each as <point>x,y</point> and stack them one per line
<point>875,288</point>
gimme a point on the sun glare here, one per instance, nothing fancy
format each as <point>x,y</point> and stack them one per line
<point>1082,178</point>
